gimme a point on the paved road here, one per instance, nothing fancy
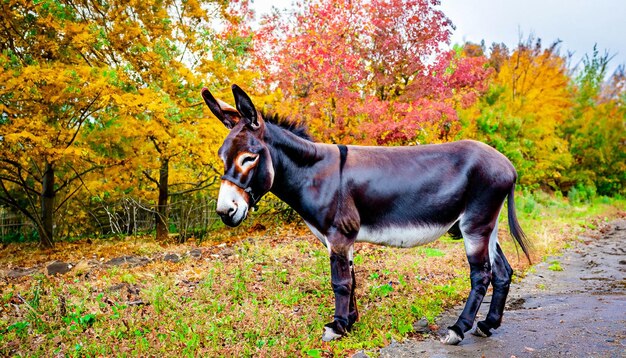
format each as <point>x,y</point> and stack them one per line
<point>577,312</point>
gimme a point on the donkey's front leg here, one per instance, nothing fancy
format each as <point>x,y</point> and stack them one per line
<point>342,282</point>
<point>353,315</point>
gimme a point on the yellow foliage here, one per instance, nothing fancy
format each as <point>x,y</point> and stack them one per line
<point>106,97</point>
<point>522,114</point>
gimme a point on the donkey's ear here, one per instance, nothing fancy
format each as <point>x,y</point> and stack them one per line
<point>246,108</point>
<point>222,110</point>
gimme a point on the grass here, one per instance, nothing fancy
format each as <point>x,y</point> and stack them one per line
<point>555,266</point>
<point>265,295</point>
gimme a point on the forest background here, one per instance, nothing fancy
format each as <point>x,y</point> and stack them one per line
<point>102,129</point>
<point>109,172</point>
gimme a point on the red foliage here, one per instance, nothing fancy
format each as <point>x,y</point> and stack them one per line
<point>402,122</point>
<point>404,33</point>
<point>368,71</point>
<point>452,81</point>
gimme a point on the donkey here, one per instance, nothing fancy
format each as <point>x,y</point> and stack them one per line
<point>395,196</point>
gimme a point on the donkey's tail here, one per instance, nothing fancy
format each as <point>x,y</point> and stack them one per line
<point>515,228</point>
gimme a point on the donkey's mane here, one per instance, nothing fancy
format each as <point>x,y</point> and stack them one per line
<point>296,127</point>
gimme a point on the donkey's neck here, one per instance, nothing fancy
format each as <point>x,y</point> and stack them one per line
<point>299,151</point>
<point>299,166</point>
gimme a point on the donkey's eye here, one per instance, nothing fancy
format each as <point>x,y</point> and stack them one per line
<point>246,160</point>
<point>249,159</point>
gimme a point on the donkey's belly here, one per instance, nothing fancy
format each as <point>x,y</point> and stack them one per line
<point>402,236</point>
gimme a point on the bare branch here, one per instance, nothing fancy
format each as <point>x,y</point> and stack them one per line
<point>19,168</point>
<point>145,172</point>
<point>85,113</point>
<point>156,144</point>
<point>20,183</point>
<point>68,197</point>
<point>198,186</point>
<point>9,200</point>
<point>77,176</point>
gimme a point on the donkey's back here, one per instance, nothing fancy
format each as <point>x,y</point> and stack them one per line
<point>407,196</point>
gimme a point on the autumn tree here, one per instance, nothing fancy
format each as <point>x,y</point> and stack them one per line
<point>168,48</point>
<point>403,35</point>
<point>48,93</point>
<point>313,55</point>
<point>427,111</point>
<point>362,71</point>
<point>522,112</point>
<point>130,72</point>
<point>171,50</point>
<point>595,131</point>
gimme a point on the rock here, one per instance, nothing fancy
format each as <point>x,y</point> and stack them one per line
<point>128,260</point>
<point>360,354</point>
<point>19,272</point>
<point>82,267</point>
<point>226,252</point>
<point>171,258</point>
<point>117,287</point>
<point>196,253</point>
<point>58,268</point>
<point>137,303</point>
<point>421,326</point>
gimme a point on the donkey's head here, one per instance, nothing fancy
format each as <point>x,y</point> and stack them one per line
<point>248,169</point>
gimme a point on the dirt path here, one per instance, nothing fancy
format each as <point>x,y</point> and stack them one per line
<point>577,312</point>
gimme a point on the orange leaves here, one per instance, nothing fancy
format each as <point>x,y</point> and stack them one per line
<point>49,105</point>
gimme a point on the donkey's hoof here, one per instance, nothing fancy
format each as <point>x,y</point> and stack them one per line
<point>330,334</point>
<point>452,338</point>
<point>482,330</point>
<point>479,333</point>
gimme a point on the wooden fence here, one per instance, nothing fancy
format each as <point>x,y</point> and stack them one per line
<point>14,224</point>
<point>188,216</point>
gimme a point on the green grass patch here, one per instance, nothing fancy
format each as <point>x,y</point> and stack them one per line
<point>555,266</point>
<point>432,252</point>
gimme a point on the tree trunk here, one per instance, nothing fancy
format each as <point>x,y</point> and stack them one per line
<point>161,216</point>
<point>46,229</point>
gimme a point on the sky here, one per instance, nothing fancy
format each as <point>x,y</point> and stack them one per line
<point>579,24</point>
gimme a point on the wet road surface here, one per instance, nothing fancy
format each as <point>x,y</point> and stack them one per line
<point>577,312</point>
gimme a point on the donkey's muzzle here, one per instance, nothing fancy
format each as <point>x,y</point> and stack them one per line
<point>229,218</point>
<point>232,206</point>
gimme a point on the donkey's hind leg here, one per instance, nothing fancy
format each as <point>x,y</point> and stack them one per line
<point>480,276</point>
<point>476,233</point>
<point>501,281</point>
